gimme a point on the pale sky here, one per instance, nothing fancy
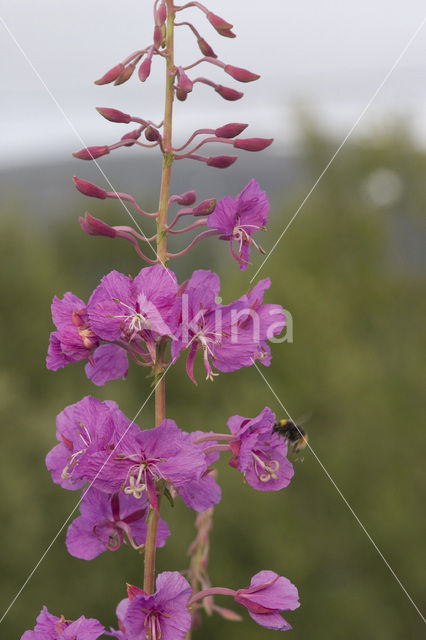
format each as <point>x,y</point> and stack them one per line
<point>330,54</point>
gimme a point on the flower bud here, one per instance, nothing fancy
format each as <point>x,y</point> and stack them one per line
<point>186,199</point>
<point>221,162</point>
<point>113,115</point>
<point>145,68</point>
<point>158,36</point>
<point>111,75</point>
<point>125,74</point>
<point>161,15</point>
<point>95,227</point>
<point>181,95</point>
<point>228,93</point>
<point>206,207</point>
<point>90,153</point>
<point>152,134</point>
<point>132,136</point>
<point>218,23</point>
<point>205,48</point>
<point>89,189</point>
<point>252,144</point>
<point>230,130</point>
<point>184,82</point>
<point>242,75</point>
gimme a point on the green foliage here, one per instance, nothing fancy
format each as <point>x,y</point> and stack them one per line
<point>347,272</point>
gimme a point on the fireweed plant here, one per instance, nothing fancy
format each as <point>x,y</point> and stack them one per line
<point>154,320</point>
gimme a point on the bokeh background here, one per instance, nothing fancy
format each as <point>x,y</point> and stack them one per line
<point>351,270</point>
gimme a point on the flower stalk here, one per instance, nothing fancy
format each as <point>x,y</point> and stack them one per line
<point>160,389</point>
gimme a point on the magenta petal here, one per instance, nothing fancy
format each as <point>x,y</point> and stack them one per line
<point>279,592</point>
<point>201,494</point>
<point>224,216</point>
<point>81,541</point>
<point>270,621</point>
<point>111,363</point>
<point>56,358</point>
<point>83,629</point>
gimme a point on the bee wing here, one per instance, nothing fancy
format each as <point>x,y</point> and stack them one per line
<point>304,418</point>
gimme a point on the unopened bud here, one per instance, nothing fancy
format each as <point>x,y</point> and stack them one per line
<point>228,93</point>
<point>158,36</point>
<point>89,189</point>
<point>95,227</point>
<point>114,115</point>
<point>205,48</point>
<point>184,82</point>
<point>230,130</point>
<point>132,136</point>
<point>206,207</point>
<point>111,75</point>
<point>221,162</point>
<point>181,94</point>
<point>252,144</point>
<point>145,68</point>
<point>186,199</point>
<point>242,75</point>
<point>90,153</point>
<point>161,15</point>
<point>218,23</point>
<point>125,74</point>
<point>152,134</point>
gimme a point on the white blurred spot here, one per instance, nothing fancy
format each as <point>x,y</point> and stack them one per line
<point>382,187</point>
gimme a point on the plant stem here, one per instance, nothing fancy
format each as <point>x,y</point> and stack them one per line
<point>160,389</point>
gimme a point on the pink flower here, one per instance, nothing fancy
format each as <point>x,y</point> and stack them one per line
<point>268,595</point>
<point>240,218</point>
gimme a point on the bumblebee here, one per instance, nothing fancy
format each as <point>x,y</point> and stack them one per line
<point>297,438</point>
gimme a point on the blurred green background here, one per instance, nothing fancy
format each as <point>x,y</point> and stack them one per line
<point>351,270</point>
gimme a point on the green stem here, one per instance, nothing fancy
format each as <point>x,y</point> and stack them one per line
<point>160,389</point>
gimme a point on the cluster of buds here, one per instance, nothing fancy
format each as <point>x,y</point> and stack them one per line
<point>154,135</point>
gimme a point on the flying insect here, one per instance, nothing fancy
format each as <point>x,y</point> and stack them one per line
<point>297,438</point>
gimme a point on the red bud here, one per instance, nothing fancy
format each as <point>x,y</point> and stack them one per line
<point>227,33</point>
<point>161,15</point>
<point>187,198</point>
<point>242,75</point>
<point>181,94</point>
<point>125,74</point>
<point>206,207</point>
<point>184,82</point>
<point>221,162</point>
<point>111,75</point>
<point>95,227</point>
<point>89,189</point>
<point>205,48</point>
<point>252,144</point>
<point>113,115</point>
<point>132,136</point>
<point>218,23</point>
<point>145,69</point>
<point>230,130</point>
<point>158,36</point>
<point>152,134</point>
<point>90,153</point>
<point>227,93</point>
